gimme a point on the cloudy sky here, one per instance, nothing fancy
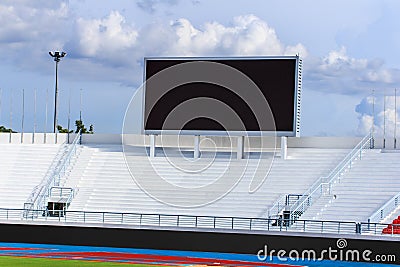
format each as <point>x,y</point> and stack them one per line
<point>349,48</point>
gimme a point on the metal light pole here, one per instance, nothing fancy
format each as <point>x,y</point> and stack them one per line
<point>57,58</point>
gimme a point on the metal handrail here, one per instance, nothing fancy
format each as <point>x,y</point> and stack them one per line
<point>347,161</point>
<point>199,222</point>
<point>316,190</point>
<point>63,192</point>
<point>42,191</point>
<point>282,202</point>
<point>386,209</point>
<point>66,161</point>
<point>277,206</point>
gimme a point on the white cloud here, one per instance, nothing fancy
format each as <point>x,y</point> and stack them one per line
<point>374,114</point>
<point>339,73</point>
<point>150,6</point>
<point>380,75</point>
<point>338,61</point>
<point>111,35</point>
<point>29,29</point>
<point>365,124</point>
<point>114,42</point>
<point>247,35</point>
<point>26,23</point>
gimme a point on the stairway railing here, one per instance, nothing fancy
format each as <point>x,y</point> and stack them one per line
<point>277,206</point>
<point>386,209</point>
<point>37,199</point>
<point>324,184</point>
<point>283,201</point>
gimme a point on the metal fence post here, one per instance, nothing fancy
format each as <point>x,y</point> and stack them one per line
<point>358,228</point>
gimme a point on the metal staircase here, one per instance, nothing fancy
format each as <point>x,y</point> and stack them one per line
<point>49,189</point>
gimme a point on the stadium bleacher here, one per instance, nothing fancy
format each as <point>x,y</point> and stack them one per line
<point>103,183</point>
<point>393,228</point>
<point>22,167</point>
<point>360,191</point>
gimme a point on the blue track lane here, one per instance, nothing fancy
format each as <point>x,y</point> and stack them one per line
<point>38,250</point>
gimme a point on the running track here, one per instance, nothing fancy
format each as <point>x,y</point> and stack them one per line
<point>155,257</point>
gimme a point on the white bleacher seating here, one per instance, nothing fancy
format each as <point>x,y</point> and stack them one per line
<point>363,189</point>
<point>105,184</point>
<point>22,167</point>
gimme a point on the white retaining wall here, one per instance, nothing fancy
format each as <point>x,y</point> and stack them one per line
<point>36,138</point>
<point>188,141</point>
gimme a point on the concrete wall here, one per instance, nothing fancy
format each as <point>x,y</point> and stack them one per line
<point>187,142</point>
<point>221,142</point>
<point>324,142</point>
<point>34,138</point>
<point>101,139</point>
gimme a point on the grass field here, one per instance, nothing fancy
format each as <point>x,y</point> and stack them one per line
<point>6,261</point>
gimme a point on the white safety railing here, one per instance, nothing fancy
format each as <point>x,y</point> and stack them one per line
<point>198,222</point>
<point>323,184</point>
<point>37,199</point>
<point>281,203</point>
<point>277,206</point>
<point>65,193</point>
<point>386,209</point>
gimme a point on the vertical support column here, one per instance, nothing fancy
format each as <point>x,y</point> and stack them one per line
<point>240,147</point>
<point>283,147</point>
<point>152,145</point>
<point>196,153</point>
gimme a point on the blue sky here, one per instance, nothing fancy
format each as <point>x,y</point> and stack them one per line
<point>348,49</point>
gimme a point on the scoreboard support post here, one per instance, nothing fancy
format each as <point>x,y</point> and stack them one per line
<point>283,147</point>
<point>152,145</point>
<point>196,153</point>
<point>240,147</point>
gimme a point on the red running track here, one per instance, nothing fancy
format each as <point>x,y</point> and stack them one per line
<point>133,258</point>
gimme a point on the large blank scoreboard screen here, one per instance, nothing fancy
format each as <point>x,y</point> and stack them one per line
<point>180,88</point>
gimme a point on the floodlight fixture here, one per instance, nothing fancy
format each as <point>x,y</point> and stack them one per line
<point>57,55</point>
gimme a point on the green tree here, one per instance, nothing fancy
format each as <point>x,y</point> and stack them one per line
<point>6,130</point>
<point>81,127</point>
<point>63,130</point>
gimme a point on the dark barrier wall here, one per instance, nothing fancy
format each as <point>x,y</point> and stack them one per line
<point>240,243</point>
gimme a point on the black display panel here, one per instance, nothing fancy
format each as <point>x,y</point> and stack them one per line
<point>275,79</point>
